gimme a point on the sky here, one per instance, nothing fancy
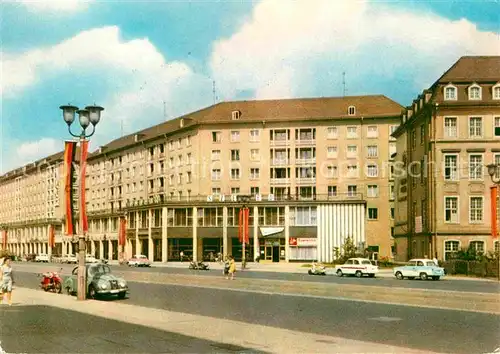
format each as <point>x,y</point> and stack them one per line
<point>149,61</point>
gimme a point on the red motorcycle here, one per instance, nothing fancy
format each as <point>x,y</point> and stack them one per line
<point>51,281</point>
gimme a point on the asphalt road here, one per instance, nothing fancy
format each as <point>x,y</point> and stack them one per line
<point>413,327</point>
<point>44,329</point>
<point>447,284</point>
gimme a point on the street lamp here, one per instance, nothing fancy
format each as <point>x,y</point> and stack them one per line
<point>245,200</point>
<point>494,172</point>
<point>91,115</point>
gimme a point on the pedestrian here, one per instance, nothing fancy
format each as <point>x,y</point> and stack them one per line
<point>6,280</point>
<point>182,255</point>
<point>232,267</point>
<point>225,271</point>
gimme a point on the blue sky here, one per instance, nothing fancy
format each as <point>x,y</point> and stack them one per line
<point>135,58</point>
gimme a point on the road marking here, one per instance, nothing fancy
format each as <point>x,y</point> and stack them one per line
<point>386,319</point>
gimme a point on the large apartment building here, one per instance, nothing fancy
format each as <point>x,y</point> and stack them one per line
<point>446,138</point>
<point>311,171</point>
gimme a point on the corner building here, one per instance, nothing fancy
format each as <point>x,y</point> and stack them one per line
<point>312,172</point>
<point>446,138</point>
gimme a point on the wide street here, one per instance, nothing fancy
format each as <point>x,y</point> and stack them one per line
<point>428,329</point>
<point>447,283</point>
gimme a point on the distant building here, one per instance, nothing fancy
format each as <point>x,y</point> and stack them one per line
<point>312,171</point>
<point>447,137</point>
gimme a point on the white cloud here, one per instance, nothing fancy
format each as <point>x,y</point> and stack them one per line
<point>132,80</point>
<point>293,48</point>
<point>55,5</point>
<point>34,150</point>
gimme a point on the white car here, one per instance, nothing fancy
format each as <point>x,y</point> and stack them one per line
<point>42,258</point>
<point>357,267</point>
<point>69,259</point>
<point>90,259</point>
<point>419,268</point>
<point>139,260</point>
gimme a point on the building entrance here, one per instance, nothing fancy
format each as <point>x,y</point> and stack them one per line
<point>273,250</point>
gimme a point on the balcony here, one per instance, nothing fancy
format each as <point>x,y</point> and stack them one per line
<point>305,141</point>
<point>306,180</point>
<point>280,181</point>
<point>305,161</point>
<point>279,162</point>
<point>279,142</point>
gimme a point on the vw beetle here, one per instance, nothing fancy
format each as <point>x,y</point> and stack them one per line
<point>100,282</point>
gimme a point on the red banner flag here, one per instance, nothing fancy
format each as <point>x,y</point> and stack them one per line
<point>83,167</point>
<point>240,225</point>
<point>122,234</point>
<point>494,211</point>
<point>52,236</point>
<point>246,216</point>
<point>4,239</point>
<point>69,158</point>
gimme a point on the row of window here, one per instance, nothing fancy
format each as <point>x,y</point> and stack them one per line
<point>474,92</point>
<point>453,246</point>
<point>213,217</point>
<point>475,127</point>
<point>452,209</point>
<point>475,168</point>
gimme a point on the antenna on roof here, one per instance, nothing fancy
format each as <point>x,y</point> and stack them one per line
<point>344,91</point>
<point>164,110</point>
<point>214,92</point>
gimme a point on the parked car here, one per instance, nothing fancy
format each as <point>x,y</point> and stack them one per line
<point>42,258</point>
<point>100,282</point>
<point>69,259</point>
<point>357,267</point>
<point>91,259</point>
<point>419,268</point>
<point>139,260</point>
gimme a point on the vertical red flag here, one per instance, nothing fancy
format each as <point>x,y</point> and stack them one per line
<point>122,232</point>
<point>83,167</point>
<point>52,236</point>
<point>240,225</point>
<point>69,158</point>
<point>246,216</point>
<point>494,211</point>
<point>4,240</point>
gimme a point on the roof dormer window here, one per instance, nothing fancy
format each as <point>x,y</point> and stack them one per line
<point>450,93</point>
<point>235,115</point>
<point>496,92</point>
<point>475,92</point>
<point>181,123</point>
<point>351,111</point>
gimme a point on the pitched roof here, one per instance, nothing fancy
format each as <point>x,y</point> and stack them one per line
<point>370,106</point>
<point>54,158</point>
<point>473,68</point>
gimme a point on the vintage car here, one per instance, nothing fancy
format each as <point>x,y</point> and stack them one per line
<point>91,259</point>
<point>69,259</point>
<point>419,268</point>
<point>100,282</point>
<point>139,260</point>
<point>45,258</point>
<point>357,267</point>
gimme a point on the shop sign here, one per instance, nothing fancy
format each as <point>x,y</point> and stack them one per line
<point>293,241</point>
<point>303,241</point>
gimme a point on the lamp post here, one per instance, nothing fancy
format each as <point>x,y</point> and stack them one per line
<point>91,115</point>
<point>245,200</point>
<point>494,172</point>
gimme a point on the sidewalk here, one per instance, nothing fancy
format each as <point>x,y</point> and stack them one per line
<point>153,330</point>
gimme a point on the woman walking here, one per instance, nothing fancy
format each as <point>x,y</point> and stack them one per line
<point>232,267</point>
<point>6,280</point>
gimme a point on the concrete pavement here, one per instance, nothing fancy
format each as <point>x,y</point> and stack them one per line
<point>165,331</point>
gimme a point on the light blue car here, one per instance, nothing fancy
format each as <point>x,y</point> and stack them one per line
<point>419,268</point>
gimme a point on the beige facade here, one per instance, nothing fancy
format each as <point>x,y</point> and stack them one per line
<point>289,157</point>
<point>450,137</point>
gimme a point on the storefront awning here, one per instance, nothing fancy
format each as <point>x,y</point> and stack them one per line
<point>269,231</point>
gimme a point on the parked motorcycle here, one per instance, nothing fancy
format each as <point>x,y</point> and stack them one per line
<point>51,281</point>
<point>317,270</point>
<point>198,266</point>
